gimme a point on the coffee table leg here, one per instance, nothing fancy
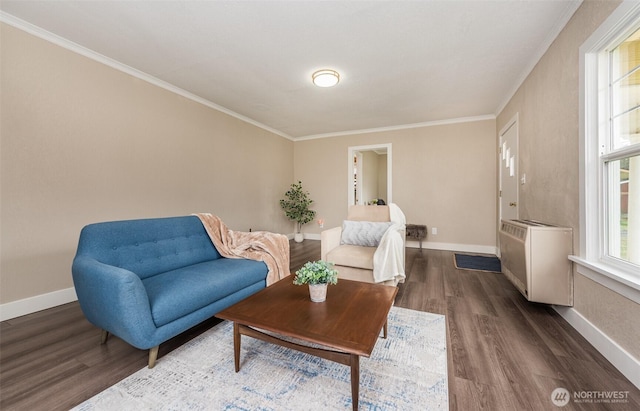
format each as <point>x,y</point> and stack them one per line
<point>236,345</point>
<point>355,380</point>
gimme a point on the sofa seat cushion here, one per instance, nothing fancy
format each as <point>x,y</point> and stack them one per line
<point>176,293</point>
<point>352,256</point>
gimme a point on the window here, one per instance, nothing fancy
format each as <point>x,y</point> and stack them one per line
<point>610,145</point>
<point>620,152</point>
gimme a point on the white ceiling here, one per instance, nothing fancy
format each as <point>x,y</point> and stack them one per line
<point>402,63</point>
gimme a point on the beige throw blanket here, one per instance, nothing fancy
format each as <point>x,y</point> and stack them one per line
<point>271,248</point>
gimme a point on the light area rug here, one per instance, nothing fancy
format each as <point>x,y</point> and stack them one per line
<point>406,371</point>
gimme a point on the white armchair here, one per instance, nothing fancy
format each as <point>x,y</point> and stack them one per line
<point>368,250</point>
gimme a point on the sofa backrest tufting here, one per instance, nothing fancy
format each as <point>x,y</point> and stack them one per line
<point>148,246</point>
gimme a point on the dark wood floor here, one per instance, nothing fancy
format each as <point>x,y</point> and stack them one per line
<point>503,352</point>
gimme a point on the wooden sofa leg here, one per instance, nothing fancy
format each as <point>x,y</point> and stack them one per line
<point>104,336</point>
<point>153,355</point>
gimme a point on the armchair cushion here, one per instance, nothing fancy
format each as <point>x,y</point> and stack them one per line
<point>382,263</point>
<point>352,256</point>
<point>363,233</point>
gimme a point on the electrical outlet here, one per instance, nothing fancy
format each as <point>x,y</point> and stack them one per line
<point>434,230</point>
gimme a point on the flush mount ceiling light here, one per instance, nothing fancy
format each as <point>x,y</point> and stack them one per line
<point>325,78</point>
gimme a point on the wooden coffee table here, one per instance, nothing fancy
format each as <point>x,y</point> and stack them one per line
<point>348,323</point>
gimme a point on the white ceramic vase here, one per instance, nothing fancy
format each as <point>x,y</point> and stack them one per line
<point>298,237</point>
<point>318,292</point>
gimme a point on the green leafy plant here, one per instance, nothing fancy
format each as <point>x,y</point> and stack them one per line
<point>296,204</point>
<point>316,272</point>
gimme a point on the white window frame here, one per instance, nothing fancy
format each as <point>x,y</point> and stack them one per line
<point>592,262</point>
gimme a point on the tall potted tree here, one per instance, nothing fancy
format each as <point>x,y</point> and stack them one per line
<point>296,204</point>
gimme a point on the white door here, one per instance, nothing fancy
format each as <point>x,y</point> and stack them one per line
<point>509,171</point>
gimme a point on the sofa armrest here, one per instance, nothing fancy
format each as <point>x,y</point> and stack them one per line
<point>329,239</point>
<point>114,299</point>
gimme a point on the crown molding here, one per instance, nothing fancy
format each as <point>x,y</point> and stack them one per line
<point>401,127</point>
<point>536,56</point>
<point>83,51</point>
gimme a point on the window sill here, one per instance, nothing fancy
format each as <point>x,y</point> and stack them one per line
<point>612,278</point>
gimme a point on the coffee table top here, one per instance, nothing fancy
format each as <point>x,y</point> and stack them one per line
<point>349,320</point>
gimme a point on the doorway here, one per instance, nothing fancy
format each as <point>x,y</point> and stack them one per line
<point>508,167</point>
<point>369,174</point>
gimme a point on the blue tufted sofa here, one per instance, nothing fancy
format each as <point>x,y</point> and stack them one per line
<point>149,280</point>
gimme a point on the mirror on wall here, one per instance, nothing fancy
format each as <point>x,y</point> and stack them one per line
<point>369,174</point>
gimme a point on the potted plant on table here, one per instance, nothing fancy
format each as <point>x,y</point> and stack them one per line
<point>296,207</point>
<point>318,274</point>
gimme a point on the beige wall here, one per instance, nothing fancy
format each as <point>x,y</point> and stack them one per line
<point>547,103</point>
<point>82,142</point>
<point>443,176</point>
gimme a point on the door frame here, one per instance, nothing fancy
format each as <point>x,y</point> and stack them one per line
<point>513,122</point>
<point>351,152</point>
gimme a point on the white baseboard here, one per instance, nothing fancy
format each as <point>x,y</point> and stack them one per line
<point>38,303</point>
<point>628,365</point>
<point>42,302</point>
<point>463,248</point>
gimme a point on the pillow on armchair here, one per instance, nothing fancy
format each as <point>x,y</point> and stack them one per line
<point>363,233</point>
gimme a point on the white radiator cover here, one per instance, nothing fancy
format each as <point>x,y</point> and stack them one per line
<point>535,258</point>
